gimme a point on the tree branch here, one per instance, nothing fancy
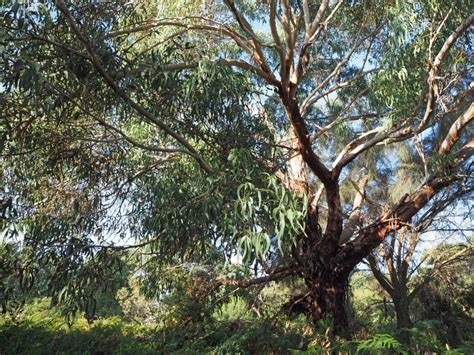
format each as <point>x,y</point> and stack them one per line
<point>120,92</point>
<point>354,217</point>
<point>454,132</point>
<point>371,236</point>
<point>275,276</point>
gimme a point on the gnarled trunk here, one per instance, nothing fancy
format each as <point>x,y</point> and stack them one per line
<point>402,310</point>
<point>328,295</point>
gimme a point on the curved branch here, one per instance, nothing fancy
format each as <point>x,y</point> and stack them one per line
<point>256,43</point>
<point>304,140</point>
<point>381,278</point>
<point>354,217</point>
<point>371,236</point>
<point>312,99</point>
<point>117,130</point>
<point>276,276</point>
<point>432,87</point>
<point>455,130</point>
<point>353,149</point>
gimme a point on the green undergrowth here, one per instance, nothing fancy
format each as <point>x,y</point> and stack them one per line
<point>41,330</point>
<point>232,329</point>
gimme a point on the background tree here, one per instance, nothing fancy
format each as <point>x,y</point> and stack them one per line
<point>446,300</point>
<point>204,129</point>
<point>396,266</point>
<point>397,262</point>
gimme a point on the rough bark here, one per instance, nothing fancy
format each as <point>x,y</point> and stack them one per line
<point>326,281</point>
<point>328,292</point>
<point>402,311</point>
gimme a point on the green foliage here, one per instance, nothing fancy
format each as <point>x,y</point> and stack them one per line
<point>17,277</point>
<point>43,331</point>
<point>133,303</point>
<point>426,336</point>
<point>135,156</point>
<point>232,328</point>
<point>380,344</point>
<point>261,337</point>
<point>235,309</point>
<point>281,214</point>
<point>47,332</point>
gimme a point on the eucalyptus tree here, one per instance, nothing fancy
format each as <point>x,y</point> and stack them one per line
<point>233,126</point>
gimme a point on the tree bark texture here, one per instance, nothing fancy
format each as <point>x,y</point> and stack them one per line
<point>328,297</point>
<point>402,310</point>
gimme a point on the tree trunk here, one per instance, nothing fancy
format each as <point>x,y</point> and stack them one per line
<point>328,298</point>
<point>402,310</point>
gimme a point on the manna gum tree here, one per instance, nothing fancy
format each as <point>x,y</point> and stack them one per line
<point>350,77</point>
